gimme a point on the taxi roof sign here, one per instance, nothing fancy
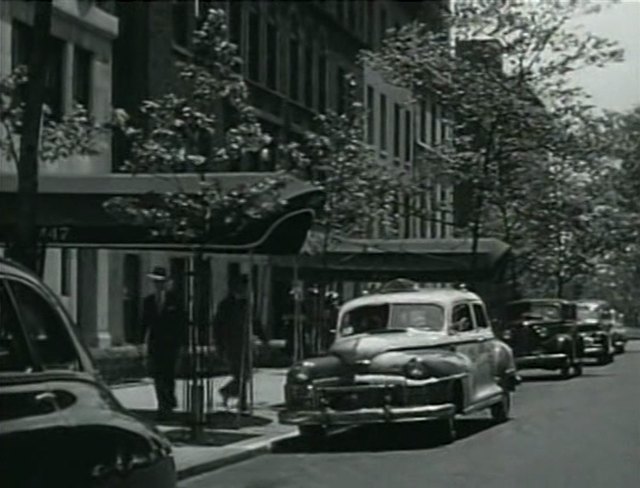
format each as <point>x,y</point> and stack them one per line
<point>399,285</point>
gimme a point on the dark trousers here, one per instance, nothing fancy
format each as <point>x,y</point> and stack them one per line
<point>163,370</point>
<point>239,369</point>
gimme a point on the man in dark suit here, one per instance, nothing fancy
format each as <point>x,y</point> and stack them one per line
<point>232,339</point>
<point>164,327</point>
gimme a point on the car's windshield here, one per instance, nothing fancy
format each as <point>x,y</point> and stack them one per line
<point>392,316</point>
<point>586,312</point>
<point>544,311</point>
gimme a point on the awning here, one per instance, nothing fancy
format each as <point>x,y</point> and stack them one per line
<point>434,260</point>
<point>71,212</point>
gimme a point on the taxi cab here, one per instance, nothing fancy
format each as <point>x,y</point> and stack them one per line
<point>404,354</point>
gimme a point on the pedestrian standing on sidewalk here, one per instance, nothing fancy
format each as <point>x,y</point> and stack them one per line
<point>230,335</point>
<point>165,329</point>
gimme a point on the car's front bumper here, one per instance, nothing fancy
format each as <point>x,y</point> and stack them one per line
<point>328,417</point>
<point>543,361</point>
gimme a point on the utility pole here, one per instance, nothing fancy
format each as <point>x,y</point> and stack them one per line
<point>24,247</point>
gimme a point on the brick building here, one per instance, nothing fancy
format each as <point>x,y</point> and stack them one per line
<point>296,55</point>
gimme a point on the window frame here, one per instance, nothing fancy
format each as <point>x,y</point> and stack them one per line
<point>483,314</point>
<point>51,300</point>
<point>30,354</point>
<point>452,327</point>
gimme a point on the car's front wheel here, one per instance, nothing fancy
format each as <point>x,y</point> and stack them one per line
<point>577,369</point>
<point>501,411</point>
<point>447,430</point>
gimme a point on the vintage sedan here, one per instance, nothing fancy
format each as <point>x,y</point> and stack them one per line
<point>618,331</point>
<point>404,356</point>
<point>543,334</point>
<point>594,326</point>
<point>59,424</point>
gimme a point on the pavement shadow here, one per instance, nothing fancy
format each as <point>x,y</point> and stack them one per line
<point>539,377</point>
<point>228,420</point>
<point>404,436</point>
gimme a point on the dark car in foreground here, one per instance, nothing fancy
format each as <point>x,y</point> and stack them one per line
<point>595,326</point>
<point>59,424</point>
<point>421,354</point>
<point>543,334</point>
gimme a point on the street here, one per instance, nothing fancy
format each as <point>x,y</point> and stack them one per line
<point>583,432</point>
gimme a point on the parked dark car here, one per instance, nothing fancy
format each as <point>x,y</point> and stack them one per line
<point>59,424</point>
<point>595,326</point>
<point>543,334</point>
<point>618,331</point>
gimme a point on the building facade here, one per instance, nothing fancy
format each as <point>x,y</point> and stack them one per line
<point>296,55</point>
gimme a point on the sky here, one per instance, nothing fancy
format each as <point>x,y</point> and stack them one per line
<point>616,86</point>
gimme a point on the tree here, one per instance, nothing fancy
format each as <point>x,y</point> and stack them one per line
<point>179,132</point>
<point>30,134</point>
<point>504,88</point>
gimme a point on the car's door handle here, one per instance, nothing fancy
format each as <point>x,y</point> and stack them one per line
<point>45,396</point>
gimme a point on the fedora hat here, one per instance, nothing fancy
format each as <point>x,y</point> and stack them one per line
<point>159,273</point>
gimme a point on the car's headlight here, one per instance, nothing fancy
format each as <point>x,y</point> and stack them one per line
<point>506,334</point>
<point>415,369</point>
<point>300,373</point>
<point>542,331</point>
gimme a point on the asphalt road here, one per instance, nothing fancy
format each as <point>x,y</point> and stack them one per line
<point>583,432</point>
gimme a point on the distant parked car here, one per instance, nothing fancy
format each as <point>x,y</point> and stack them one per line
<point>543,333</point>
<point>595,327</point>
<point>618,331</point>
<point>59,424</point>
<point>404,354</point>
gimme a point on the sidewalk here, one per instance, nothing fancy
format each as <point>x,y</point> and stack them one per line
<point>228,438</point>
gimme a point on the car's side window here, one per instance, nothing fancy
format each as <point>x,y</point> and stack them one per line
<point>462,321</point>
<point>14,354</point>
<point>481,316</point>
<point>44,328</point>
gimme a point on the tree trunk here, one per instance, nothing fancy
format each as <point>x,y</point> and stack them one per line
<point>24,245</point>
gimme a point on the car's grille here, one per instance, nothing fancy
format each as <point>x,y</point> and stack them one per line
<point>525,341</point>
<point>352,397</point>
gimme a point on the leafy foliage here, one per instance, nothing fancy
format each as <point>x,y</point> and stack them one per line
<point>178,132</point>
<point>515,118</point>
<point>75,133</point>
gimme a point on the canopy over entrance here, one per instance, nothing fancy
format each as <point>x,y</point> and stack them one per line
<point>71,212</point>
<point>426,260</point>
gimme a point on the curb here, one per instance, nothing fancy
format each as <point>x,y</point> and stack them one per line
<point>250,451</point>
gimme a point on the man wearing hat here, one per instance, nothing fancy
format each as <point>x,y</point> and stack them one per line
<point>164,328</point>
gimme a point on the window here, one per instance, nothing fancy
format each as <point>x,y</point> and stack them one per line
<point>370,114</point>
<point>341,95</point>
<point>383,122</point>
<point>45,329</point>
<point>322,82</point>
<point>407,216</point>
<point>443,218</point>
<point>294,67</point>
<point>21,48</point>
<point>434,123</point>
<point>65,271</point>
<point>383,23</point>
<point>14,355</point>
<point>423,316</point>
<point>254,45</point>
<point>272,54</point>
<point>82,77</point>
<point>422,130</point>
<point>308,77</point>
<point>435,211</point>
<point>461,321</point>
<point>396,130</point>
<point>370,23</point>
<point>407,135</point>
<point>235,24</point>
<point>481,316</point>
<point>180,22</point>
